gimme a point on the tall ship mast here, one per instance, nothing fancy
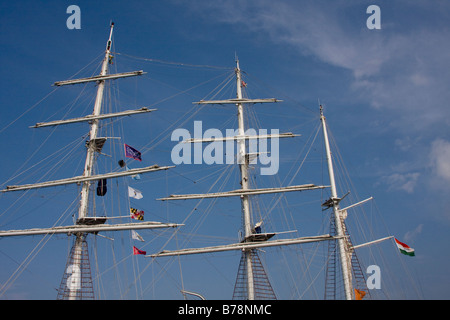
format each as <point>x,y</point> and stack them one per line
<point>252,281</point>
<point>77,282</point>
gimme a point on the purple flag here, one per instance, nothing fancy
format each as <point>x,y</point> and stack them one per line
<point>131,152</point>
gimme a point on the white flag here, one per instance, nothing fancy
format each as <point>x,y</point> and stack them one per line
<point>134,193</point>
<point>136,236</point>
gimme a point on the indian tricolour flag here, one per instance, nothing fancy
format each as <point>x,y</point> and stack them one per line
<point>404,248</point>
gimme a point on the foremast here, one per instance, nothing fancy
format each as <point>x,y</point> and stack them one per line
<point>89,163</point>
<point>85,225</point>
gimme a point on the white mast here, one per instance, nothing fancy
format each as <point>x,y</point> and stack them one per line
<point>82,212</point>
<point>86,225</point>
<point>243,164</point>
<point>84,201</point>
<point>343,251</point>
<point>250,241</point>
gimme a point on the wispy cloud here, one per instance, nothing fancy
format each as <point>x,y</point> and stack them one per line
<point>440,159</point>
<point>403,69</point>
<point>411,235</point>
<point>405,182</point>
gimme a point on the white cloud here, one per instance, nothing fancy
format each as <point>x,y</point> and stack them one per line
<point>403,69</point>
<point>440,159</point>
<point>405,182</point>
<point>315,28</point>
<point>411,235</point>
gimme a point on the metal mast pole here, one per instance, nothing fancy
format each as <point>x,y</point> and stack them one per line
<point>84,201</point>
<point>344,254</point>
<point>243,164</point>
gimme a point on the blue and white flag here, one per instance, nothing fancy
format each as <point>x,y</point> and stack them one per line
<point>134,176</point>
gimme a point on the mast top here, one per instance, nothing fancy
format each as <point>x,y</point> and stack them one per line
<point>108,45</point>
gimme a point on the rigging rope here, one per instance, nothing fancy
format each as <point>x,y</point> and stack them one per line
<point>28,110</point>
<point>180,64</point>
<point>8,283</point>
<point>45,97</point>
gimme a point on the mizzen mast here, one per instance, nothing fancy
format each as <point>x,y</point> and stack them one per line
<point>338,216</point>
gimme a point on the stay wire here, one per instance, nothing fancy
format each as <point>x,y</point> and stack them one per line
<point>181,64</point>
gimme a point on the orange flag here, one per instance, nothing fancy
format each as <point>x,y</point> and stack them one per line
<point>359,294</point>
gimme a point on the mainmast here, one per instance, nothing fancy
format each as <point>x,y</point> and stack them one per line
<point>339,220</point>
<point>251,271</point>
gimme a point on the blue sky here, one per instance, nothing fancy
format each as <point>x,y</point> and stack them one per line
<point>385,94</point>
